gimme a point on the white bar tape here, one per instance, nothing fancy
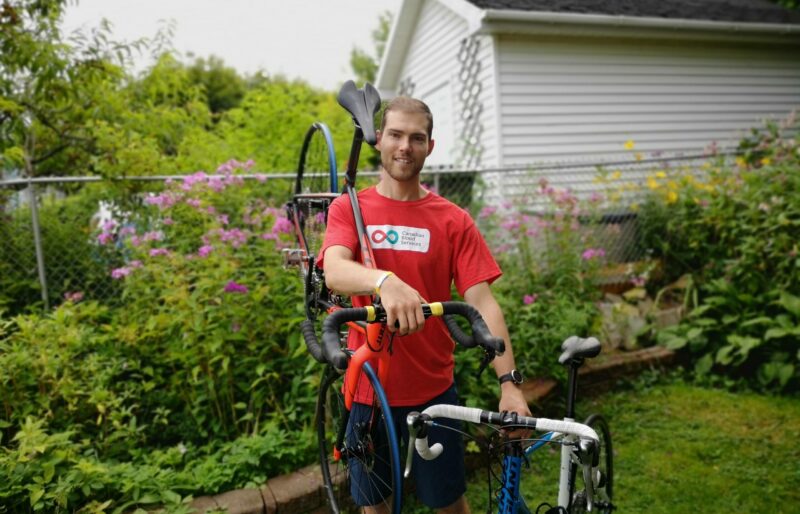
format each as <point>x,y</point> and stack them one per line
<point>470,414</point>
<point>567,427</point>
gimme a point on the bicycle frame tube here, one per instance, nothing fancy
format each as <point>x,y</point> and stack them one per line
<point>565,477</point>
<point>508,499</point>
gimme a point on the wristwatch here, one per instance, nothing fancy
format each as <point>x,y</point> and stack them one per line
<point>512,376</point>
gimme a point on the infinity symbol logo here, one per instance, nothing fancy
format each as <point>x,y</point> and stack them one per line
<point>380,236</point>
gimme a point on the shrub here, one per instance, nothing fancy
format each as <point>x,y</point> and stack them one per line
<point>735,229</point>
<point>192,384</point>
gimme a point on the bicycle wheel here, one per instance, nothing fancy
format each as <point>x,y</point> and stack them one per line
<point>315,188</point>
<point>605,470</point>
<point>316,171</point>
<point>360,459</point>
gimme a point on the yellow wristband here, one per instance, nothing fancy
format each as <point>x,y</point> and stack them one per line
<point>381,280</point>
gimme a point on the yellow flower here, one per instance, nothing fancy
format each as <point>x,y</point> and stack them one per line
<point>661,174</point>
<point>766,161</point>
<point>741,162</point>
<point>672,185</point>
<point>672,197</point>
<point>634,207</point>
<point>629,144</point>
<point>652,183</point>
<point>617,174</point>
<point>638,156</point>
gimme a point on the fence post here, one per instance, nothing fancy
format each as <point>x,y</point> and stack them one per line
<point>37,241</point>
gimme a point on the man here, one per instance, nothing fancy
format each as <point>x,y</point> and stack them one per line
<point>422,243</point>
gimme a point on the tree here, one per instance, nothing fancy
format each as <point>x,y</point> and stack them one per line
<point>269,124</point>
<point>364,64</point>
<point>51,89</point>
<point>223,87</point>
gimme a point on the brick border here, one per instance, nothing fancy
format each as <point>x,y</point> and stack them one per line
<point>302,492</point>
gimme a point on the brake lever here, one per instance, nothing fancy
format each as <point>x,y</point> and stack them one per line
<point>488,356</point>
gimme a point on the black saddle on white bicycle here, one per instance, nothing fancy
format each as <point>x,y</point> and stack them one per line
<point>579,348</point>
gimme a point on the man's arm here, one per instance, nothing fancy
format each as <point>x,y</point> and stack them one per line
<point>401,301</point>
<point>480,296</point>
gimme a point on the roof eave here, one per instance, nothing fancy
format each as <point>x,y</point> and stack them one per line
<point>495,21</point>
<point>403,30</point>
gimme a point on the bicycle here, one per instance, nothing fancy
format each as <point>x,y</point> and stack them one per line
<point>345,371</point>
<point>583,445</point>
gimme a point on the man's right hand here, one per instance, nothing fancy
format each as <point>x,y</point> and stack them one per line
<point>402,302</point>
<point>403,306</point>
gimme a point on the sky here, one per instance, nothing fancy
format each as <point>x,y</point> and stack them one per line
<point>307,39</point>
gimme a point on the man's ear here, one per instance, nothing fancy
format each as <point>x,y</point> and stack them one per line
<point>378,135</point>
<point>430,146</point>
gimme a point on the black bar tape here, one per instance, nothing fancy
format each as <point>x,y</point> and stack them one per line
<point>310,337</point>
<point>480,332</point>
<point>330,334</point>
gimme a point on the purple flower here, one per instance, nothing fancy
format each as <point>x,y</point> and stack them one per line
<point>529,298</point>
<point>155,252</point>
<point>233,287</point>
<point>105,237</point>
<point>282,225</point>
<point>73,297</point>
<point>223,218</point>
<point>487,211</point>
<point>261,177</point>
<point>591,253</point>
<point>155,235</point>
<point>204,250</point>
<point>168,221</point>
<point>119,273</point>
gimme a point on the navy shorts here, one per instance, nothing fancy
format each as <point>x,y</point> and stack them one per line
<point>439,482</point>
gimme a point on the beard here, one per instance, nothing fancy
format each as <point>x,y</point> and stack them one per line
<point>399,172</point>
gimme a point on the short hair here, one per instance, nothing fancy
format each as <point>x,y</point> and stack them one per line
<point>409,105</point>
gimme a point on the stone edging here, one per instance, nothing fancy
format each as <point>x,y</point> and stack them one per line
<point>302,492</point>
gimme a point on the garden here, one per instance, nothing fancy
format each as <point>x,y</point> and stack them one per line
<point>189,377</point>
<point>195,380</point>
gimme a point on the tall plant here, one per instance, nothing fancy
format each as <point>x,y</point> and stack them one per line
<point>734,227</point>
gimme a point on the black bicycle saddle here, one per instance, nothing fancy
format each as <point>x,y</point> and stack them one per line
<point>362,104</point>
<point>578,348</point>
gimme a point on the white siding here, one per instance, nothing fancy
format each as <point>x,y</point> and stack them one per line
<point>583,99</point>
<point>432,65</point>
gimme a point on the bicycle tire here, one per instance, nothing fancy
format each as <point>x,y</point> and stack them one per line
<point>315,187</point>
<point>317,170</point>
<point>604,492</point>
<point>357,447</point>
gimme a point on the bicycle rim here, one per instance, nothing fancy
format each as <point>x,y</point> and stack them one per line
<point>604,492</point>
<point>316,171</point>
<point>315,188</point>
<point>359,447</point>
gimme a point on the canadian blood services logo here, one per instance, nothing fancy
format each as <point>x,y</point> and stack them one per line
<point>395,237</point>
<point>380,236</point>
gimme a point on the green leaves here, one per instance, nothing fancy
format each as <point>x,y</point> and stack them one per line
<point>737,235</point>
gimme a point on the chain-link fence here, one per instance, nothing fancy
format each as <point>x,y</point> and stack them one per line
<point>48,232</point>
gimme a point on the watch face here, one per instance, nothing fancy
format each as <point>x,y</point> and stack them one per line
<point>516,376</point>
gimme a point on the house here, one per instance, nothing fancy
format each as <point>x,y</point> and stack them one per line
<point>513,83</point>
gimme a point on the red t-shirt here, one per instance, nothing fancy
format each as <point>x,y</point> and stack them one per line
<point>428,243</point>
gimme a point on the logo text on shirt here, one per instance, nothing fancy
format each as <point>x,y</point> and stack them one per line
<point>397,237</point>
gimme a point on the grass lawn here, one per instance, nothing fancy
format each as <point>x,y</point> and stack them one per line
<point>683,448</point>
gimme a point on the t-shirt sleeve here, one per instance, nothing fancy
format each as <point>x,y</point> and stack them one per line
<point>340,229</point>
<point>474,262</point>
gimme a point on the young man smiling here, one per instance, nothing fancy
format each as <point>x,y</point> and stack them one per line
<point>422,244</point>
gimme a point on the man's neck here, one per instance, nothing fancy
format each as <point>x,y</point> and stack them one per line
<point>402,191</point>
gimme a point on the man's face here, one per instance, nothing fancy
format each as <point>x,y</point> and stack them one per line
<point>404,144</point>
